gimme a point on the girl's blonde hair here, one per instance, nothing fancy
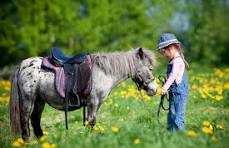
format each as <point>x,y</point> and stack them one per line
<point>181,51</point>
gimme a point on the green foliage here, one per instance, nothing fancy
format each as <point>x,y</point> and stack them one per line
<point>209,32</point>
<point>31,28</point>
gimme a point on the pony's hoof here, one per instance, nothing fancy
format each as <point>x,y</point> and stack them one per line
<point>89,125</point>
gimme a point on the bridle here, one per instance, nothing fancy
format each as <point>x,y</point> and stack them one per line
<point>140,82</point>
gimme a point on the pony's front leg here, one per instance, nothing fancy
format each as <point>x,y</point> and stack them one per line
<point>92,107</point>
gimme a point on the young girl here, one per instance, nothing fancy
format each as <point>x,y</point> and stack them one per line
<point>177,83</point>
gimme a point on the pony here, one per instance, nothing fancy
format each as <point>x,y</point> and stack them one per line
<point>33,86</point>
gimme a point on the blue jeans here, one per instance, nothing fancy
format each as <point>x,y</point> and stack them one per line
<point>176,115</point>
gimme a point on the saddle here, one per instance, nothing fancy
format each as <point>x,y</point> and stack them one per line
<point>59,58</point>
<point>72,76</point>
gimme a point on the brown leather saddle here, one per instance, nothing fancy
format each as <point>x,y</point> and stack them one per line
<point>72,77</point>
<point>77,71</point>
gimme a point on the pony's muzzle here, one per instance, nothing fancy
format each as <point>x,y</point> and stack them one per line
<point>152,88</point>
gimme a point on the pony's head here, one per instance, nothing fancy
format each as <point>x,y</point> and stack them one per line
<point>143,73</point>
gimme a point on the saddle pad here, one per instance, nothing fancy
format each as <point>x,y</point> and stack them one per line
<point>59,75</point>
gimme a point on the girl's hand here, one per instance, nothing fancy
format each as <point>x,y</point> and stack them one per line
<point>163,91</point>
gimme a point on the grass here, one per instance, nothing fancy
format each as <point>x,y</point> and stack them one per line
<point>124,120</point>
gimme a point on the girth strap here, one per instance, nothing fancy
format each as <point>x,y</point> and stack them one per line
<point>70,72</point>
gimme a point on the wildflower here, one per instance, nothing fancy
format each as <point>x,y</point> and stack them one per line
<point>208,130</point>
<point>18,143</point>
<point>191,134</point>
<point>219,73</point>
<point>157,81</point>
<point>99,128</point>
<point>137,141</point>
<point>48,145</point>
<point>43,138</point>
<point>226,85</point>
<point>211,88</point>
<point>5,84</point>
<point>218,97</point>
<point>45,132</point>
<point>115,129</point>
<point>220,126</point>
<point>206,123</point>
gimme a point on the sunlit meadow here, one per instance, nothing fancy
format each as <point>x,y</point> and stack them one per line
<point>128,118</point>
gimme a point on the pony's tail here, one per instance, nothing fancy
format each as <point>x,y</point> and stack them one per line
<point>14,107</point>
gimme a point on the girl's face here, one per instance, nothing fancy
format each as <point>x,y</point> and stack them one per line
<point>169,51</point>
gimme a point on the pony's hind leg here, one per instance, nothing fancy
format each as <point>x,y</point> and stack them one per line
<point>26,106</point>
<point>36,117</point>
<point>27,78</point>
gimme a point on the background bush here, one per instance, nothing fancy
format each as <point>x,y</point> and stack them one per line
<point>31,28</point>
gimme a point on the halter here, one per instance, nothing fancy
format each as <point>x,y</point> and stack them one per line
<point>140,83</point>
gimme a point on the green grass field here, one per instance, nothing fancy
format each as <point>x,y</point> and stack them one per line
<point>124,120</point>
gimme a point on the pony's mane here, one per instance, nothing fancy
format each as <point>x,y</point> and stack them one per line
<point>117,63</point>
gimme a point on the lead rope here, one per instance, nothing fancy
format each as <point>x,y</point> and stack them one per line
<point>161,104</point>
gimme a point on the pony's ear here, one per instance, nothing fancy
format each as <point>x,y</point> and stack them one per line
<point>140,53</point>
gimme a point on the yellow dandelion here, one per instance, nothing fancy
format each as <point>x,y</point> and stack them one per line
<point>115,129</point>
<point>5,84</point>
<point>48,145</point>
<point>192,134</point>
<point>159,91</point>
<point>219,73</point>
<point>226,85</point>
<point>220,126</point>
<point>137,141</point>
<point>43,138</point>
<point>45,132</point>
<point>18,143</point>
<point>218,97</point>
<point>207,130</point>
<point>99,128</point>
<point>206,123</point>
